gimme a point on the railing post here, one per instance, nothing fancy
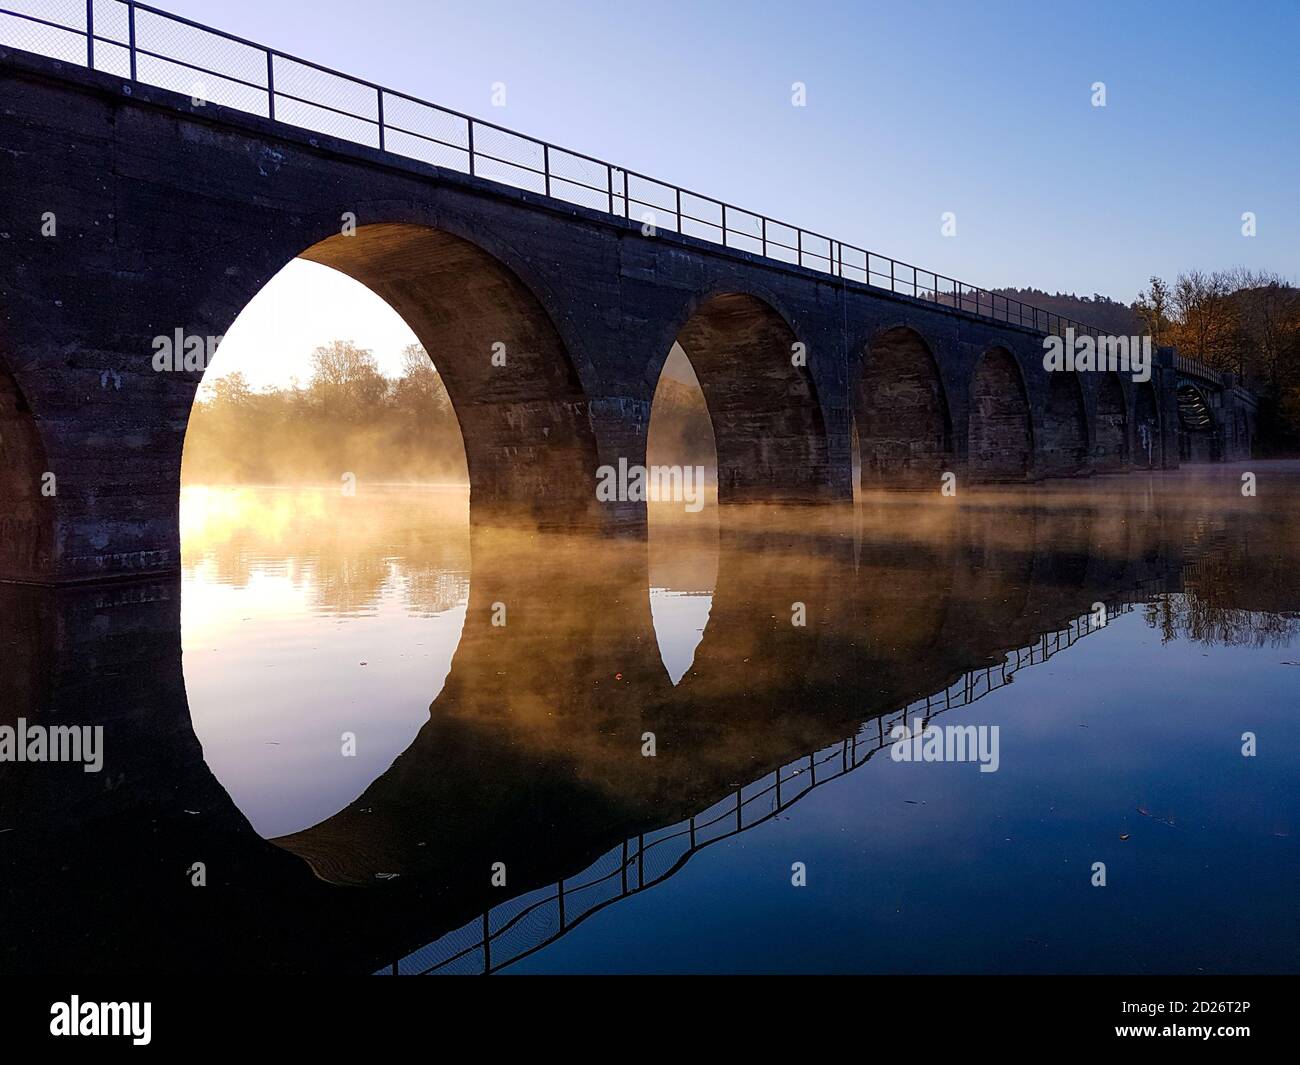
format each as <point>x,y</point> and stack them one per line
<point>90,34</point>
<point>891,275</point>
<point>765,236</point>
<point>379,96</point>
<point>724,244</point>
<point>270,94</point>
<point>471,146</point>
<point>546,167</point>
<point>609,184</point>
<point>679,209</point>
<point>627,200</point>
<point>130,30</point>
<point>798,240</point>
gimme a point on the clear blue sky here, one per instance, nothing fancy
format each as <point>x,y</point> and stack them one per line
<point>913,109</point>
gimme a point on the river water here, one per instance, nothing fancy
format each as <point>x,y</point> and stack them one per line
<point>355,736</point>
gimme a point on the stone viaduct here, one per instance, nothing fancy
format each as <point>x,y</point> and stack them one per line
<point>131,212</point>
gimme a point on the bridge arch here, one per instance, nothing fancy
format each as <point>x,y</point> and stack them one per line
<point>515,389</point>
<point>1000,433</point>
<point>1110,450</point>
<point>1148,434</point>
<point>1198,437</point>
<point>904,429</point>
<point>27,515</point>
<point>1064,442</point>
<point>768,427</point>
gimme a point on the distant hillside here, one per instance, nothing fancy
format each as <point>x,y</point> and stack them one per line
<point>1101,312</point>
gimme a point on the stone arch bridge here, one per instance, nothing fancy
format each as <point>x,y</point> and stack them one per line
<point>134,212</point>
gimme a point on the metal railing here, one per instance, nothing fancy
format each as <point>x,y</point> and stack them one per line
<point>525,925</point>
<point>1192,367</point>
<point>154,47</point>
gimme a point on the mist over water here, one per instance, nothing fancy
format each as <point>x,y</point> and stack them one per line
<point>307,615</point>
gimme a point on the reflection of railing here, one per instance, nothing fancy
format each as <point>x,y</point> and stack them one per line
<point>154,47</point>
<point>524,925</point>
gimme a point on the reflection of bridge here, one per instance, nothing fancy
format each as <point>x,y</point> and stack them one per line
<point>549,713</point>
<point>530,922</point>
<point>175,202</point>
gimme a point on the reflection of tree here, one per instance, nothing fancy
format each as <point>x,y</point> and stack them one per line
<point>433,590</point>
<point>347,551</point>
<point>1220,603</point>
<point>1189,617</point>
<point>344,582</point>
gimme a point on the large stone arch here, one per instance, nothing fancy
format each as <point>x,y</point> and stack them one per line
<point>768,426</point>
<point>901,412</point>
<point>1110,437</point>
<point>1000,433</point>
<point>1063,448</point>
<point>524,416</point>
<point>27,499</point>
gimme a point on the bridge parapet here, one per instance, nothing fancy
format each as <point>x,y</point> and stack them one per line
<point>153,47</point>
<point>1191,367</point>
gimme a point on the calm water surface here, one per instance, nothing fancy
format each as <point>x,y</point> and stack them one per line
<point>350,710</point>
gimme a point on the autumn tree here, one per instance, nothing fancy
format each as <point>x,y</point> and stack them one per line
<point>346,379</point>
<point>1154,305</point>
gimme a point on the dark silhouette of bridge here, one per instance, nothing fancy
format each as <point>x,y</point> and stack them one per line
<point>159,173</point>
<point>532,921</point>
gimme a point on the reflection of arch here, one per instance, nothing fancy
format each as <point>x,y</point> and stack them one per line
<point>1146,427</point>
<point>752,631</point>
<point>26,516</point>
<point>904,430</point>
<point>554,667</point>
<point>1110,431</point>
<point>767,424</point>
<point>1064,445</point>
<point>524,417</point>
<point>1000,434</point>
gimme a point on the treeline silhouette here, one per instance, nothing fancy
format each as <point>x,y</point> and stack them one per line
<point>1100,312</point>
<point>350,418</point>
